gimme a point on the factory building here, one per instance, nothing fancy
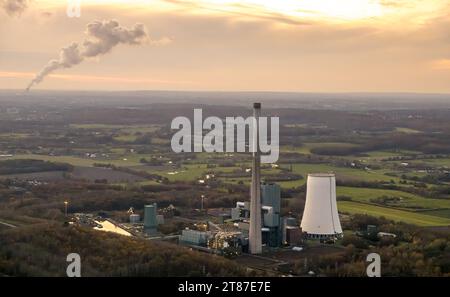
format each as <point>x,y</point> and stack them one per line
<point>291,233</point>
<point>271,233</point>
<point>271,196</point>
<point>271,200</point>
<point>320,217</point>
<point>134,218</point>
<point>194,237</point>
<point>159,219</point>
<point>227,242</point>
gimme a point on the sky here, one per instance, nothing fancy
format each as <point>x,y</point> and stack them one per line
<point>227,45</point>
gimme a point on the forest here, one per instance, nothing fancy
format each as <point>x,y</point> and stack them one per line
<point>41,250</point>
<point>414,252</point>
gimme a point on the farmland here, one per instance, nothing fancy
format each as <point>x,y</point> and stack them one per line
<point>414,218</point>
<point>379,164</point>
<point>405,200</point>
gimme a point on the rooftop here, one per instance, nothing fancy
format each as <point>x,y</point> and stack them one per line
<point>330,174</point>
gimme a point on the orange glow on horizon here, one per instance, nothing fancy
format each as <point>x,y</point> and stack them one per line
<point>318,10</point>
<point>91,78</point>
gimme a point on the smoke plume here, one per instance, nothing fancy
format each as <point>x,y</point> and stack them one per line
<point>14,7</point>
<point>102,37</point>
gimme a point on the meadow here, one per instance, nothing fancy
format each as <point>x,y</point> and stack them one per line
<point>406,200</point>
<point>397,215</point>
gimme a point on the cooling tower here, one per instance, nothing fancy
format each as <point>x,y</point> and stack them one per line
<point>255,236</point>
<point>320,216</point>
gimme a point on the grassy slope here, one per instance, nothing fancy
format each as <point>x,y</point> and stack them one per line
<point>414,218</point>
<point>408,200</point>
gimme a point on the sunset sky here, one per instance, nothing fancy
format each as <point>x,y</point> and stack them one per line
<point>260,45</point>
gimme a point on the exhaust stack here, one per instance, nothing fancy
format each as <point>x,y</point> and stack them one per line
<point>255,235</point>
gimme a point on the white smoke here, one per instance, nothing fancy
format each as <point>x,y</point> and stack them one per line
<point>102,36</point>
<point>14,7</point>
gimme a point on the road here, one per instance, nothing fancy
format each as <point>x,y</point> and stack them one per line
<point>7,224</point>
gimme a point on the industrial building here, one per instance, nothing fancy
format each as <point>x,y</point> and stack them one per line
<point>134,218</point>
<point>270,222</point>
<point>150,219</point>
<point>291,232</point>
<point>227,242</point>
<point>194,237</point>
<point>320,217</point>
<point>258,222</point>
<point>159,219</point>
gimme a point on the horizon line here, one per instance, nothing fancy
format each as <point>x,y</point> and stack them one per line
<point>235,91</point>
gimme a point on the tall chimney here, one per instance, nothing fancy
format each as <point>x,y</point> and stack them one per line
<point>255,236</point>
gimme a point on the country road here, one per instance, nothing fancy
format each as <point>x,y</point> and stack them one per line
<point>7,224</point>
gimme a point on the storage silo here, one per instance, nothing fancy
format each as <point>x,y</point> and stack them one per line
<point>134,218</point>
<point>150,216</point>
<point>320,216</point>
<point>160,219</point>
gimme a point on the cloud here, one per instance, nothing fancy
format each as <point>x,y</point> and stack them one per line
<point>162,41</point>
<point>249,11</point>
<point>14,7</point>
<point>102,37</point>
<point>393,3</point>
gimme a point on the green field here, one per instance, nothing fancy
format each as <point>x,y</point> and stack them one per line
<point>443,213</point>
<point>377,155</point>
<point>193,172</point>
<point>185,173</point>
<point>436,162</point>
<point>126,128</point>
<point>97,126</point>
<point>126,137</point>
<point>341,173</point>
<point>307,147</point>
<point>125,133</point>
<point>414,218</point>
<point>14,135</point>
<point>407,200</point>
<point>78,161</point>
<point>406,130</point>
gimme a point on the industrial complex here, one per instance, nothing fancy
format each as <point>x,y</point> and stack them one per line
<point>256,225</point>
<point>251,227</point>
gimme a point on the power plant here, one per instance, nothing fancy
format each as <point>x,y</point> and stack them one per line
<point>271,226</point>
<point>320,216</point>
<point>258,223</point>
